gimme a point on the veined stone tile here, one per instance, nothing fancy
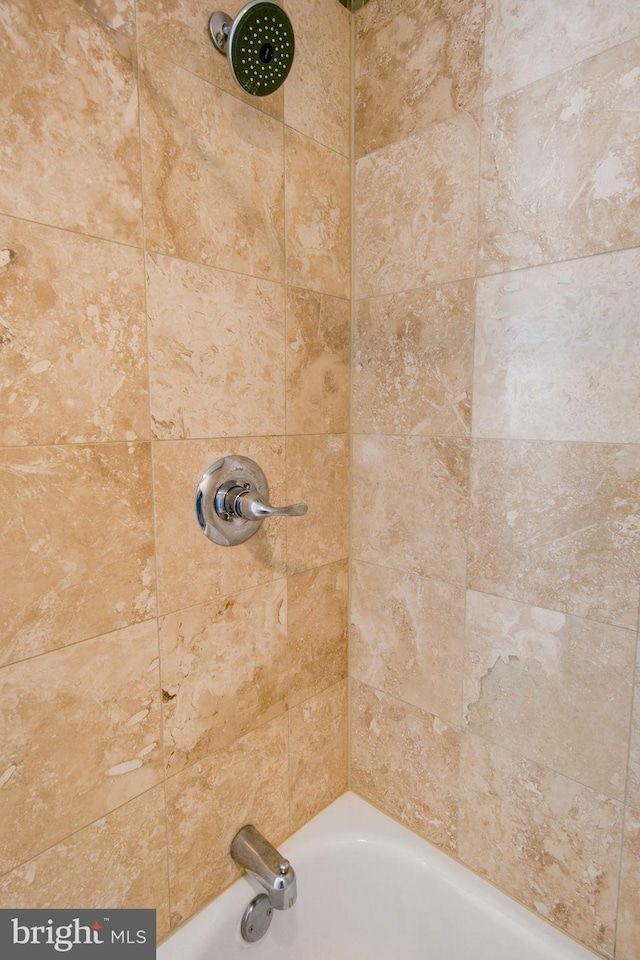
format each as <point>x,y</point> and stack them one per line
<point>555,689</point>
<point>629,910</point>
<point>555,525</point>
<point>405,762</point>
<point>208,802</point>
<point>546,840</point>
<point>178,30</point>
<point>318,743</point>
<point>317,91</point>
<point>118,14</point>
<point>416,210</point>
<point>557,353</point>
<point>213,174</point>
<point>81,736</point>
<point>318,350</point>
<point>318,620</point>
<point>70,151</point>
<point>633,787</point>
<point>526,42</point>
<point>222,671</point>
<point>191,568</point>
<point>410,504</point>
<point>318,216</point>
<point>216,352</point>
<point>413,362</point>
<point>78,544</point>
<point>72,338</point>
<point>318,475</point>
<point>120,861</point>
<point>561,165</point>
<point>416,64</point>
<point>407,637</point>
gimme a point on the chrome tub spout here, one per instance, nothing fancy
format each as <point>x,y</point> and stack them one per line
<point>254,853</point>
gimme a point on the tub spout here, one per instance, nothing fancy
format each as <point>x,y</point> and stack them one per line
<point>254,853</point>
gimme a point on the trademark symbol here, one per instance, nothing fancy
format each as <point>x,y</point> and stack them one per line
<point>106,919</point>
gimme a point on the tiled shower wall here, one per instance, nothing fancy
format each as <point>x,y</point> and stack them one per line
<point>175,275</point>
<point>496,447</point>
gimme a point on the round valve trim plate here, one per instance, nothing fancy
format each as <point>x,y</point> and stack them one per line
<point>228,531</point>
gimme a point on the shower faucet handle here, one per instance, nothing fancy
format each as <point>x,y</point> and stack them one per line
<point>246,503</point>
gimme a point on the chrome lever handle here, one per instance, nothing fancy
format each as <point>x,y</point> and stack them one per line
<point>249,505</point>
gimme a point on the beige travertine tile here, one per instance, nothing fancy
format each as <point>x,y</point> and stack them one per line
<point>413,362</point>
<point>81,736</point>
<point>191,568</point>
<point>405,762</point>
<point>72,338</point>
<point>526,42</point>
<point>71,154</point>
<point>78,544</point>
<point>633,786</point>
<point>318,349</point>
<point>561,165</point>
<point>178,30</point>
<point>546,840</point>
<point>628,936</point>
<point>222,671</point>
<point>416,210</point>
<point>213,174</point>
<point>554,524</point>
<point>416,64</point>
<point>318,739</point>
<point>317,91</point>
<point>410,504</point>
<point>117,14</point>
<point>216,352</point>
<point>557,354</point>
<point>318,475</point>
<point>117,861</point>
<point>555,689</point>
<point>317,628</point>
<point>318,216</point>
<point>211,800</point>
<point>407,636</point>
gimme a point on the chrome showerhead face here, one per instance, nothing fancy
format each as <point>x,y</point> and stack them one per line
<point>259,43</point>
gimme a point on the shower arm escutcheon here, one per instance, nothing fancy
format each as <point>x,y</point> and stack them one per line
<point>232,501</point>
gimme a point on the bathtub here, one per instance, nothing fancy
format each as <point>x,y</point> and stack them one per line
<point>368,889</point>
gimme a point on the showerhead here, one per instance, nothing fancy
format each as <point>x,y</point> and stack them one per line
<point>258,43</point>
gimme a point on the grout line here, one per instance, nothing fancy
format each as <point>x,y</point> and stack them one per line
<point>635,705</point>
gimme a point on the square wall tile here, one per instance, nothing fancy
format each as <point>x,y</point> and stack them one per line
<point>413,362</point>
<point>317,91</point>
<point>318,216</point>
<point>318,352</point>
<point>555,689</point>
<point>119,861</point>
<point>555,525</point>
<point>208,803</point>
<point>561,165</point>
<point>191,568</point>
<point>78,534</point>
<point>546,840</point>
<point>405,762</point>
<point>84,737</point>
<point>407,636</point>
<point>557,353</point>
<point>318,475</point>
<point>410,504</point>
<point>416,64</point>
<point>318,619</point>
<point>213,174</point>
<point>318,740</point>
<point>73,364</point>
<point>416,210</point>
<point>526,42</point>
<point>216,352</point>
<point>178,30</point>
<point>629,911</point>
<point>222,671</point>
<point>71,154</point>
